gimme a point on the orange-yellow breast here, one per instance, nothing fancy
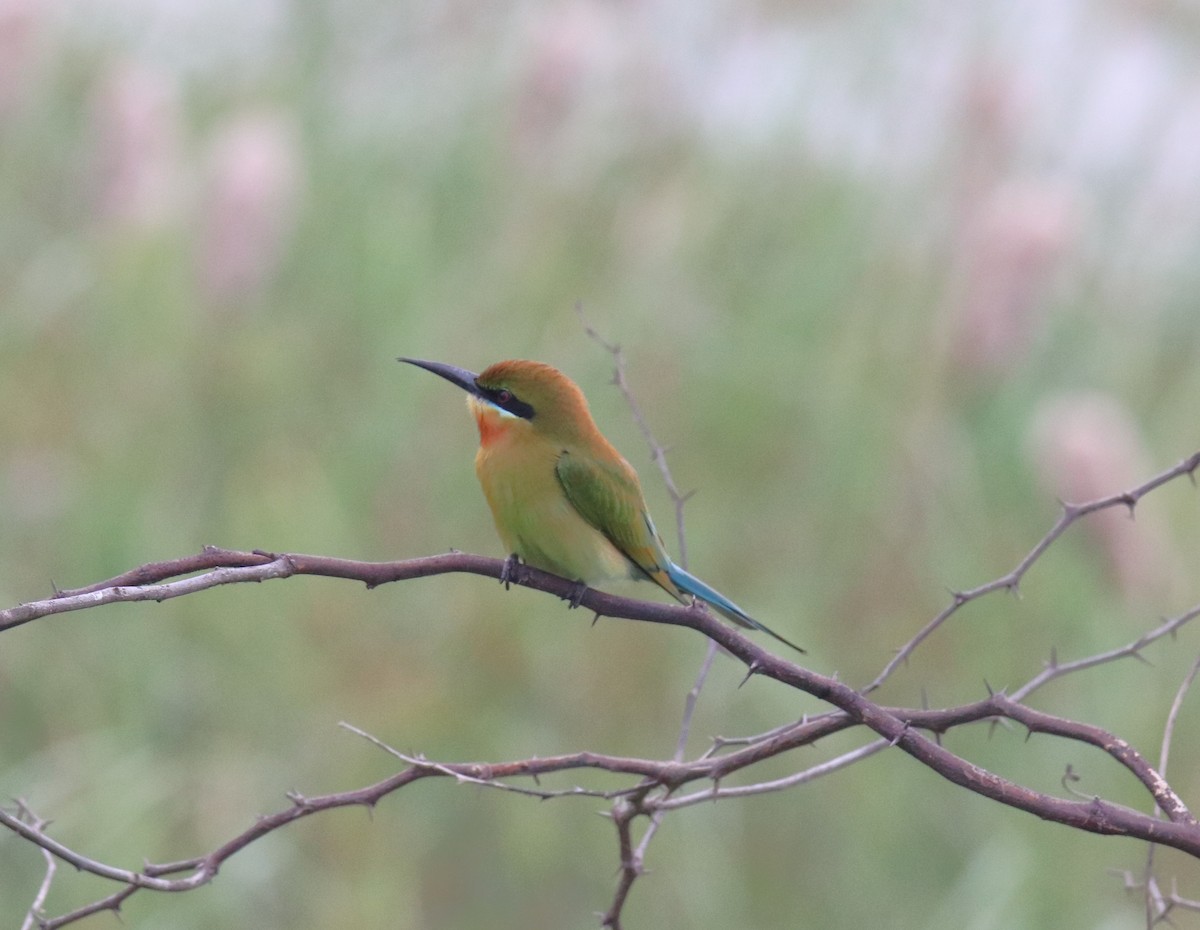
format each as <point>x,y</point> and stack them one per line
<point>516,469</point>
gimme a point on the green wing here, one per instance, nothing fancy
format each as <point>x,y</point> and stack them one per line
<point>608,498</point>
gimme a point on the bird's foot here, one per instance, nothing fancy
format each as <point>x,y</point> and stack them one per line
<point>508,574</point>
<point>577,594</point>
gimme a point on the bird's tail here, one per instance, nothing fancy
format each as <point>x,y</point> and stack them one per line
<point>688,582</point>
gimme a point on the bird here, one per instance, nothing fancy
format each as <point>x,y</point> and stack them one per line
<point>562,497</point>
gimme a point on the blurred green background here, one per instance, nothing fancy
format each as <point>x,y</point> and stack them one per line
<point>890,277</point>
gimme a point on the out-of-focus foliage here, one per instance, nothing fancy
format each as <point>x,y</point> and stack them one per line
<point>890,278</point>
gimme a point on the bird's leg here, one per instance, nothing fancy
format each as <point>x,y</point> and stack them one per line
<point>508,574</point>
<point>577,594</point>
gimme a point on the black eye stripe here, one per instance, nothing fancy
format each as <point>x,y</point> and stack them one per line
<point>506,400</point>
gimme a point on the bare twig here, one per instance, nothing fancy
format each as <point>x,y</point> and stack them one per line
<point>689,704</point>
<point>1012,580</point>
<point>33,915</point>
<point>623,812</point>
<point>1055,669</point>
<point>632,868</point>
<point>658,452</point>
<point>65,601</point>
<point>1158,905</point>
<point>471,774</point>
<point>1173,714</point>
<point>719,743</point>
<point>716,792</point>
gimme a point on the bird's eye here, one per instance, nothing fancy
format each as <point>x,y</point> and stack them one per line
<point>503,396</point>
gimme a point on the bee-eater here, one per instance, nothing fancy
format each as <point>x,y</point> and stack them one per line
<point>564,500</point>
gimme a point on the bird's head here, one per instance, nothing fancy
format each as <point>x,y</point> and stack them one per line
<point>518,391</point>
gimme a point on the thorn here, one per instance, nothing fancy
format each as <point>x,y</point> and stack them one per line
<point>1053,663</point>
<point>1141,658</point>
<point>924,698</point>
<point>899,736</point>
<point>1130,502</point>
<point>752,669</point>
<point>596,618</point>
<point>990,692</point>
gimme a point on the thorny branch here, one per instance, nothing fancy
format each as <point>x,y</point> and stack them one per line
<point>656,784</point>
<point>1011,582</point>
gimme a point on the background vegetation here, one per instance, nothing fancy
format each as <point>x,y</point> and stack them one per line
<point>890,278</point>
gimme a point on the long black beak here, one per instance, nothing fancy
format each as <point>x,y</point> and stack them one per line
<point>460,376</point>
